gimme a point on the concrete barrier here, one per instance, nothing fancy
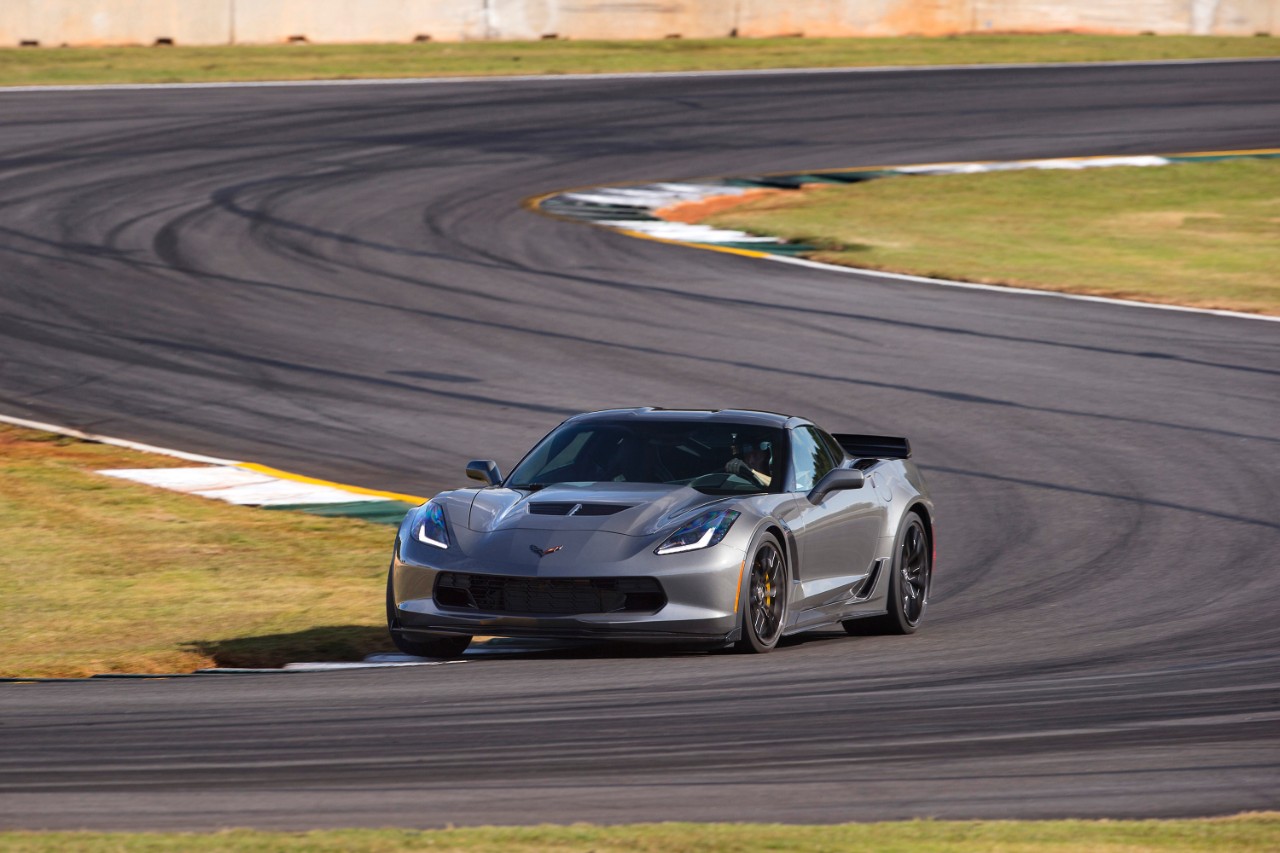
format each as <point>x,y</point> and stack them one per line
<point>113,22</point>
<point>612,19</point>
<point>336,21</point>
<point>838,18</point>
<point>208,22</point>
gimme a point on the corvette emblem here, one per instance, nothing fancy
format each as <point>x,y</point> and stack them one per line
<point>544,552</point>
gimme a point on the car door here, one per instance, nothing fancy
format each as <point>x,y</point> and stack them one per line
<point>838,536</point>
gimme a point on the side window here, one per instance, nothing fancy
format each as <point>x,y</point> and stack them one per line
<point>833,447</point>
<point>809,458</point>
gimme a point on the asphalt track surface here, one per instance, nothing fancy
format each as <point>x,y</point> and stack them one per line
<point>341,281</point>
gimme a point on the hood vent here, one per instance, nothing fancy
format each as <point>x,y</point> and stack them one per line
<point>576,509</point>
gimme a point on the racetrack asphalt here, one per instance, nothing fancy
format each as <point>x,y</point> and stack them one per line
<point>342,282</point>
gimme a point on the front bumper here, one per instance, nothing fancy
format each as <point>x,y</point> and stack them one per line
<point>700,589</point>
<point>544,631</point>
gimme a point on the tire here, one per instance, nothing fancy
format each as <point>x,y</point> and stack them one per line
<point>909,583</point>
<point>425,646</point>
<point>764,609</point>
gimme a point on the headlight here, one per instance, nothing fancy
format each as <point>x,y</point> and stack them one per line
<point>702,532</point>
<point>431,529</point>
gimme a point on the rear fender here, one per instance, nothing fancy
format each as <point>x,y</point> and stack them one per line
<point>907,493</point>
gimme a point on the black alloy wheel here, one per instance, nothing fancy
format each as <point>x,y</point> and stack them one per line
<point>766,598</point>
<point>908,584</point>
<point>913,573</point>
<point>423,646</point>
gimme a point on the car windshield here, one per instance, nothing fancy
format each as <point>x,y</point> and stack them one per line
<point>714,458</point>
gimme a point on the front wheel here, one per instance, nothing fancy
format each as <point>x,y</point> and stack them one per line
<point>766,592</point>
<point>424,647</point>
<point>908,585</point>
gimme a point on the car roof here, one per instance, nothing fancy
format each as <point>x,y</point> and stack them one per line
<point>728,416</point>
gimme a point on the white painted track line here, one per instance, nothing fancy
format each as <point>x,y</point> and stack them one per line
<point>997,288</point>
<point>115,442</point>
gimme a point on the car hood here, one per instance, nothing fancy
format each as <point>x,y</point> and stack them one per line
<point>634,509</point>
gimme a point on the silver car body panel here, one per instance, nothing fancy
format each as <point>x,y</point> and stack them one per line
<point>836,550</point>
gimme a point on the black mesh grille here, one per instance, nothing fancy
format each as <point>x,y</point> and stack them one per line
<point>547,596</point>
<point>557,508</point>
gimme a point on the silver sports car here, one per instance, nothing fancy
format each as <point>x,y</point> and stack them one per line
<point>703,527</point>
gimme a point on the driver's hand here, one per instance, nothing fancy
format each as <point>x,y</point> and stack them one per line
<point>737,466</point>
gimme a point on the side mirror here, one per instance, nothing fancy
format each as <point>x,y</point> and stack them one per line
<point>484,470</point>
<point>836,480</point>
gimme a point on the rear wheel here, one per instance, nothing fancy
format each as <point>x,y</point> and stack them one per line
<point>423,646</point>
<point>766,594</point>
<point>908,585</point>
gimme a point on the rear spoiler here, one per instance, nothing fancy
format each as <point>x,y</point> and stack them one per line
<point>874,446</point>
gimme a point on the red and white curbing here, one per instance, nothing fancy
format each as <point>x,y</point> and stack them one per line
<point>240,486</point>
<point>631,210</point>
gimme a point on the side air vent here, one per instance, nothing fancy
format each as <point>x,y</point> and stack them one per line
<point>864,589</point>
<point>565,508</point>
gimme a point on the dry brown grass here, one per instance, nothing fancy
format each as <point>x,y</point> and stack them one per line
<point>99,575</point>
<point>1199,234</point>
<point>89,65</point>
<point>1251,833</point>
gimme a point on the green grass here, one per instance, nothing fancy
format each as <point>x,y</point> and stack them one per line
<point>101,575</point>
<point>1201,234</point>
<point>40,66</point>
<point>1256,832</point>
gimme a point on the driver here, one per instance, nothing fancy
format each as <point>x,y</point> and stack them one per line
<point>753,463</point>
